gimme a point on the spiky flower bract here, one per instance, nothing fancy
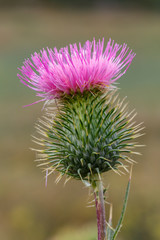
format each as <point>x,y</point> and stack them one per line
<point>53,73</point>
<point>90,134</point>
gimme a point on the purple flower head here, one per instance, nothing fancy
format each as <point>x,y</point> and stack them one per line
<point>53,73</point>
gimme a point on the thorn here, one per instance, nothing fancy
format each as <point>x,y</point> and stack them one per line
<point>130,175</point>
<point>91,201</point>
<point>90,206</point>
<point>124,167</point>
<point>58,178</point>
<point>139,129</point>
<point>37,150</point>
<point>109,226</point>
<point>78,171</point>
<point>42,164</point>
<point>90,168</point>
<point>132,117</point>
<point>46,177</point>
<point>138,125</point>
<point>81,160</point>
<point>110,215</point>
<point>136,153</point>
<point>39,143</point>
<point>99,176</point>
<point>112,168</point>
<point>130,113</point>
<point>121,172</point>
<point>67,179</point>
<point>143,145</point>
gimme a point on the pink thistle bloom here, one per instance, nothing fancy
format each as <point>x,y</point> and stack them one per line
<point>53,73</point>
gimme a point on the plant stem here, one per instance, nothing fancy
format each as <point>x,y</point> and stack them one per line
<point>100,210</point>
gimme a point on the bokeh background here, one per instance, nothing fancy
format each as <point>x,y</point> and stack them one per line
<point>28,210</point>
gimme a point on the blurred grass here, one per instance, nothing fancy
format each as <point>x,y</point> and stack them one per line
<point>87,232</point>
<point>28,210</point>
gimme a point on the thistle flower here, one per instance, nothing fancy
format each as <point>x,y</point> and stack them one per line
<point>88,131</point>
<point>53,73</point>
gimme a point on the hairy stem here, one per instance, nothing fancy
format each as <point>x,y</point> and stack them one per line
<point>100,210</point>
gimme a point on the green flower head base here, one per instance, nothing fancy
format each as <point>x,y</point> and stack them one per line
<point>87,134</point>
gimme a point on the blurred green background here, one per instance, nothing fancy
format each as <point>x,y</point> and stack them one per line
<point>28,210</point>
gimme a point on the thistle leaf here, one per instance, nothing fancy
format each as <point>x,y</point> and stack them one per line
<point>119,225</point>
<point>110,230</point>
